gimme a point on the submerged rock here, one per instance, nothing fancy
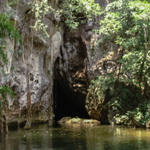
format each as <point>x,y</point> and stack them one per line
<point>69,120</point>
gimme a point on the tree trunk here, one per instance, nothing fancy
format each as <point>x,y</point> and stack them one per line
<point>50,121</point>
<point>6,119</point>
<point>28,123</point>
<point>1,124</point>
<point>51,96</point>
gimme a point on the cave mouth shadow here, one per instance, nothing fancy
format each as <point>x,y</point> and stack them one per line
<point>67,103</point>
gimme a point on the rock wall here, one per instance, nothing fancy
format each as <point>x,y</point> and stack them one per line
<point>33,59</point>
<point>77,61</point>
<point>81,61</point>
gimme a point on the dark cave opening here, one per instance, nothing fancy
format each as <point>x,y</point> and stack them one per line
<point>67,103</point>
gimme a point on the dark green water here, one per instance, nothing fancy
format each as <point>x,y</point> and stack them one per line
<point>77,137</point>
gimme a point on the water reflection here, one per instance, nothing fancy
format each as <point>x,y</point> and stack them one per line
<point>76,137</point>
<point>70,137</point>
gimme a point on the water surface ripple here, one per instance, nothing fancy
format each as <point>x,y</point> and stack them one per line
<point>76,137</point>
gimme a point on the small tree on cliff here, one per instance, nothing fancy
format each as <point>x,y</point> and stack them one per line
<point>7,30</point>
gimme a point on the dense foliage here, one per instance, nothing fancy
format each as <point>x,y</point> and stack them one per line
<point>123,98</point>
<point>127,25</point>
<point>76,11</point>
<point>73,12</point>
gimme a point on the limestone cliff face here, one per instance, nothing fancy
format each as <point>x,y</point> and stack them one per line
<point>31,64</point>
<point>68,60</point>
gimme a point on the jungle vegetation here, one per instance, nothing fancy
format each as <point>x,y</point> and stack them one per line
<point>126,24</point>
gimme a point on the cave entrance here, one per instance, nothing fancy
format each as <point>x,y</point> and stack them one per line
<point>67,103</point>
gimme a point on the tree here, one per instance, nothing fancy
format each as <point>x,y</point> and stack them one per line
<point>7,30</point>
<point>127,25</point>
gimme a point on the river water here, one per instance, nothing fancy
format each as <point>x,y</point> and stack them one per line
<point>76,137</point>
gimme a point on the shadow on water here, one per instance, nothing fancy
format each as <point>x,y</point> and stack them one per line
<point>2,141</point>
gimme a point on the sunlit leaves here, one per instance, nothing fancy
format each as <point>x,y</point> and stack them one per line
<point>41,9</point>
<point>127,22</point>
<point>73,11</point>
<point>77,10</point>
